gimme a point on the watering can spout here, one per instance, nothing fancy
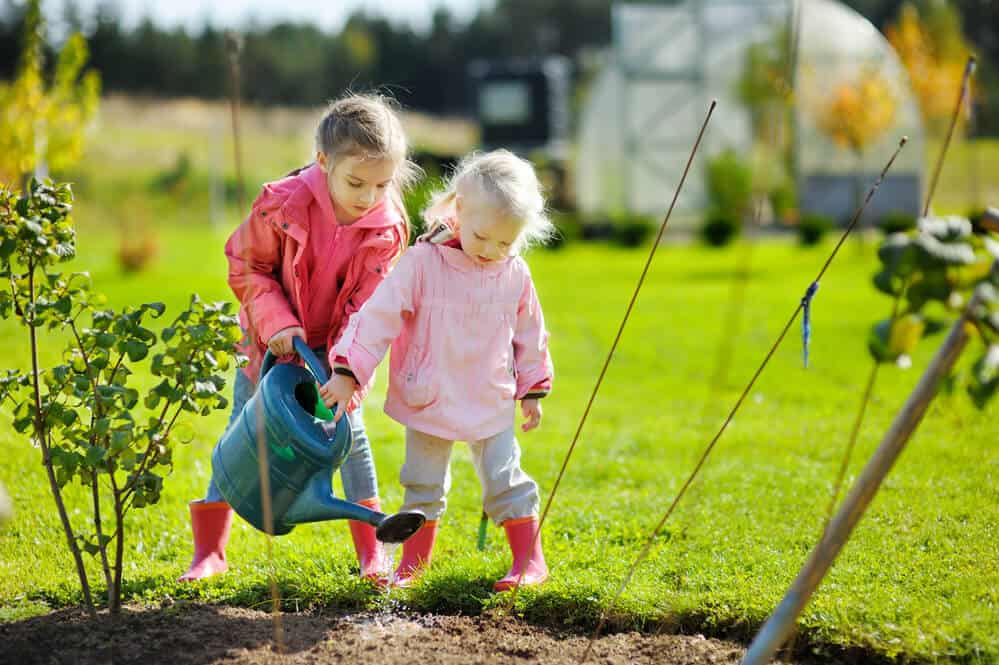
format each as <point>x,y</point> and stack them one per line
<point>316,503</point>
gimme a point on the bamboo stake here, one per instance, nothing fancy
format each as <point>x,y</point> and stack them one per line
<point>234,45</point>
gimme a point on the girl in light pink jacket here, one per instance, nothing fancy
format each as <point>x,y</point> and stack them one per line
<point>468,340</point>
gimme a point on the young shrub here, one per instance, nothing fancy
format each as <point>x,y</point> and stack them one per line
<point>936,267</point>
<point>83,414</point>
<point>896,221</point>
<point>812,228</point>
<point>135,254</point>
<point>176,180</point>
<point>719,227</point>
<point>631,230</point>
<point>729,183</point>
<point>568,229</point>
<point>784,201</point>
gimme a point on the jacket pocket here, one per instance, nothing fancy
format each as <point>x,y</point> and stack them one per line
<point>419,389</point>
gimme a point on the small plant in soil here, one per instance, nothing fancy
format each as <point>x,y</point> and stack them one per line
<point>90,424</point>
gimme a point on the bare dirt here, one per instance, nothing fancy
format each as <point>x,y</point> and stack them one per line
<point>198,634</point>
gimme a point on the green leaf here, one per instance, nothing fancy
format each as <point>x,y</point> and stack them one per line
<point>102,426</point>
<point>120,439</point>
<point>105,340</point>
<point>95,455</point>
<point>136,350</point>
<point>128,459</point>
<point>945,229</point>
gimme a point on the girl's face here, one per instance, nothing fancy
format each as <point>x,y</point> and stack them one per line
<point>357,184</point>
<point>486,233</point>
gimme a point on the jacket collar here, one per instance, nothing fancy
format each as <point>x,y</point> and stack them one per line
<point>376,218</point>
<point>456,257</point>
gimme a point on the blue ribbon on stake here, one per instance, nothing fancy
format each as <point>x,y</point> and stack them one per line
<point>806,321</point>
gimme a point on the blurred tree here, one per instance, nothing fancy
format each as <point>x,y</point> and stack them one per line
<point>858,113</point>
<point>42,122</point>
<point>298,64</point>
<point>934,52</point>
<point>855,115</point>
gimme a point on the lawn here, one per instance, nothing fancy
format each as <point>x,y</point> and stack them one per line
<point>919,580</point>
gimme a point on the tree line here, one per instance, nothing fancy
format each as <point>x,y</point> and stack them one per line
<point>299,64</point>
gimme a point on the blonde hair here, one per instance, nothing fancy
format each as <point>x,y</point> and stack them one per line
<point>512,185</point>
<point>366,125</point>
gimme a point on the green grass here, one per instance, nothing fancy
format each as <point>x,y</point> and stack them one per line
<point>918,581</point>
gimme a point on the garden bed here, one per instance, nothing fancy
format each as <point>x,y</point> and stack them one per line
<point>200,634</point>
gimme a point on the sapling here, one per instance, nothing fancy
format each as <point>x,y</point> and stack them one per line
<point>89,417</point>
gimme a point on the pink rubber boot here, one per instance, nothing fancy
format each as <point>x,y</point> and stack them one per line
<point>210,523</point>
<point>527,555</point>
<point>416,555</point>
<point>370,555</point>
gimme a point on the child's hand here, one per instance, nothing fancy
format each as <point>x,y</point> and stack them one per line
<point>338,390</point>
<point>280,342</point>
<point>531,409</point>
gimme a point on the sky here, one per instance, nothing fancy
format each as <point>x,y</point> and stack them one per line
<point>327,14</point>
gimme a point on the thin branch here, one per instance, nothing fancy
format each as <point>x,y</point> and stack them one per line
<point>144,464</point>
<point>41,434</point>
<point>98,527</point>
<point>119,554</point>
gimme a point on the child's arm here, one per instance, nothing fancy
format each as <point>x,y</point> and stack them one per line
<point>530,347</point>
<point>254,254</point>
<point>372,329</point>
<point>391,244</point>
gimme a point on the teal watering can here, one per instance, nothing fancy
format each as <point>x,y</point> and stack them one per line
<point>304,448</point>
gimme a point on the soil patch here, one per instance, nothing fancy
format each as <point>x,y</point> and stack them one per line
<point>198,634</point>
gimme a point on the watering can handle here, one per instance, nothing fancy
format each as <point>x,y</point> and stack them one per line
<point>303,350</point>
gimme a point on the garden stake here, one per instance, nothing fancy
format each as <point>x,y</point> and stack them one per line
<point>780,624</point>
<point>969,69</point>
<point>858,422</point>
<point>234,44</point>
<point>617,338</point>
<point>707,451</point>
<point>267,511</point>
<point>483,529</point>
<point>806,319</point>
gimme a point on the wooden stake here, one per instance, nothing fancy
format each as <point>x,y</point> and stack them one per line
<point>233,46</point>
<point>781,623</point>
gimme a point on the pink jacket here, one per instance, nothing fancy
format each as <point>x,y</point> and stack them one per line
<point>467,340</point>
<point>267,258</point>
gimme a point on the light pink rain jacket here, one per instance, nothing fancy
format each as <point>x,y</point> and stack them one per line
<point>467,340</point>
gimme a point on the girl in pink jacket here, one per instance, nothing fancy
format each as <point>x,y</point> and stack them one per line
<point>311,252</point>
<point>468,340</point>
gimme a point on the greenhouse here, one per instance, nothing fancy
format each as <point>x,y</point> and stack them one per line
<point>822,111</point>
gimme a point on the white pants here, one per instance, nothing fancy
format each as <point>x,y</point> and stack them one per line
<point>507,492</point>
